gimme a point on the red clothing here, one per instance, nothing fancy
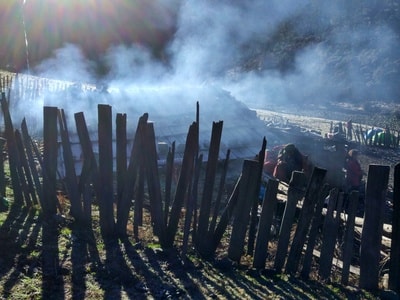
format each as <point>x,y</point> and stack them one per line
<point>354,172</point>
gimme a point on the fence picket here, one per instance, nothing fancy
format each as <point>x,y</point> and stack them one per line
<point>303,224</point>
<point>295,193</point>
<point>371,237</point>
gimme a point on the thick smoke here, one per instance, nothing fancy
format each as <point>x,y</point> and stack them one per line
<point>262,52</point>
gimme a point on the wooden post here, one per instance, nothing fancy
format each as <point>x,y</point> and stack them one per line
<point>295,193</point>
<point>371,238</point>
<point>49,160</point>
<point>121,150</point>
<point>247,190</point>
<point>330,231</point>
<point>169,173</point>
<point>312,236</point>
<point>349,236</point>
<point>153,180</point>
<point>29,148</point>
<point>225,218</point>
<point>89,168</point>
<point>190,207</point>
<point>13,158</point>
<point>185,179</point>
<point>106,185</point>
<point>71,180</point>
<point>2,173</point>
<point>50,257</point>
<point>264,225</point>
<point>303,225</point>
<point>124,205</point>
<point>139,200</point>
<point>255,200</point>
<point>211,170</point>
<point>219,195</point>
<point>394,270</point>
<point>24,173</point>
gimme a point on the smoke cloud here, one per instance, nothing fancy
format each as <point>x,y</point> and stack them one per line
<point>262,53</point>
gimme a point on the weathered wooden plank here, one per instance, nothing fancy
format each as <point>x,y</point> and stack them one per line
<point>30,152</point>
<point>264,226</point>
<point>121,151</point>
<point>185,178</point>
<point>190,207</point>
<point>50,160</point>
<point>330,232</point>
<point>90,168</point>
<point>169,174</point>
<point>217,204</point>
<point>124,205</point>
<point>13,158</point>
<point>24,174</point>
<point>394,269</point>
<point>378,177</point>
<point>312,236</point>
<point>254,210</point>
<point>153,180</point>
<point>349,236</point>
<point>106,183</point>
<point>69,164</point>
<point>2,171</point>
<point>305,218</point>
<point>225,217</point>
<point>209,181</point>
<point>295,193</point>
<point>247,192</point>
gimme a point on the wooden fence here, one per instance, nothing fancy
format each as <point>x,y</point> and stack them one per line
<point>201,212</point>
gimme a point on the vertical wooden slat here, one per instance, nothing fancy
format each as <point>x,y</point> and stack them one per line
<point>303,225</point>
<point>184,181</point>
<point>349,236</point>
<point>190,208</point>
<point>295,193</point>
<point>24,173</point>
<point>394,270</point>
<point>169,173</point>
<point>211,169</point>
<point>50,160</point>
<point>29,148</point>
<point>12,151</point>
<point>121,163</point>
<point>153,180</point>
<point>224,219</point>
<point>130,178</point>
<point>265,223</point>
<point>89,168</point>
<point>50,255</point>
<point>69,164</point>
<point>330,233</point>
<point>254,209</point>
<point>2,171</point>
<point>219,194</point>
<point>247,192</point>
<point>139,199</point>
<point>312,236</point>
<point>371,238</point>
<point>106,185</point>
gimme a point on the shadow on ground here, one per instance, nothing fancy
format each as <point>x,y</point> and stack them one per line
<point>74,263</point>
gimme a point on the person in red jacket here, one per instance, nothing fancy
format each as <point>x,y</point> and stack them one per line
<point>354,173</point>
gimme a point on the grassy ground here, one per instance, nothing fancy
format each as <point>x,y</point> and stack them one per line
<point>87,268</point>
